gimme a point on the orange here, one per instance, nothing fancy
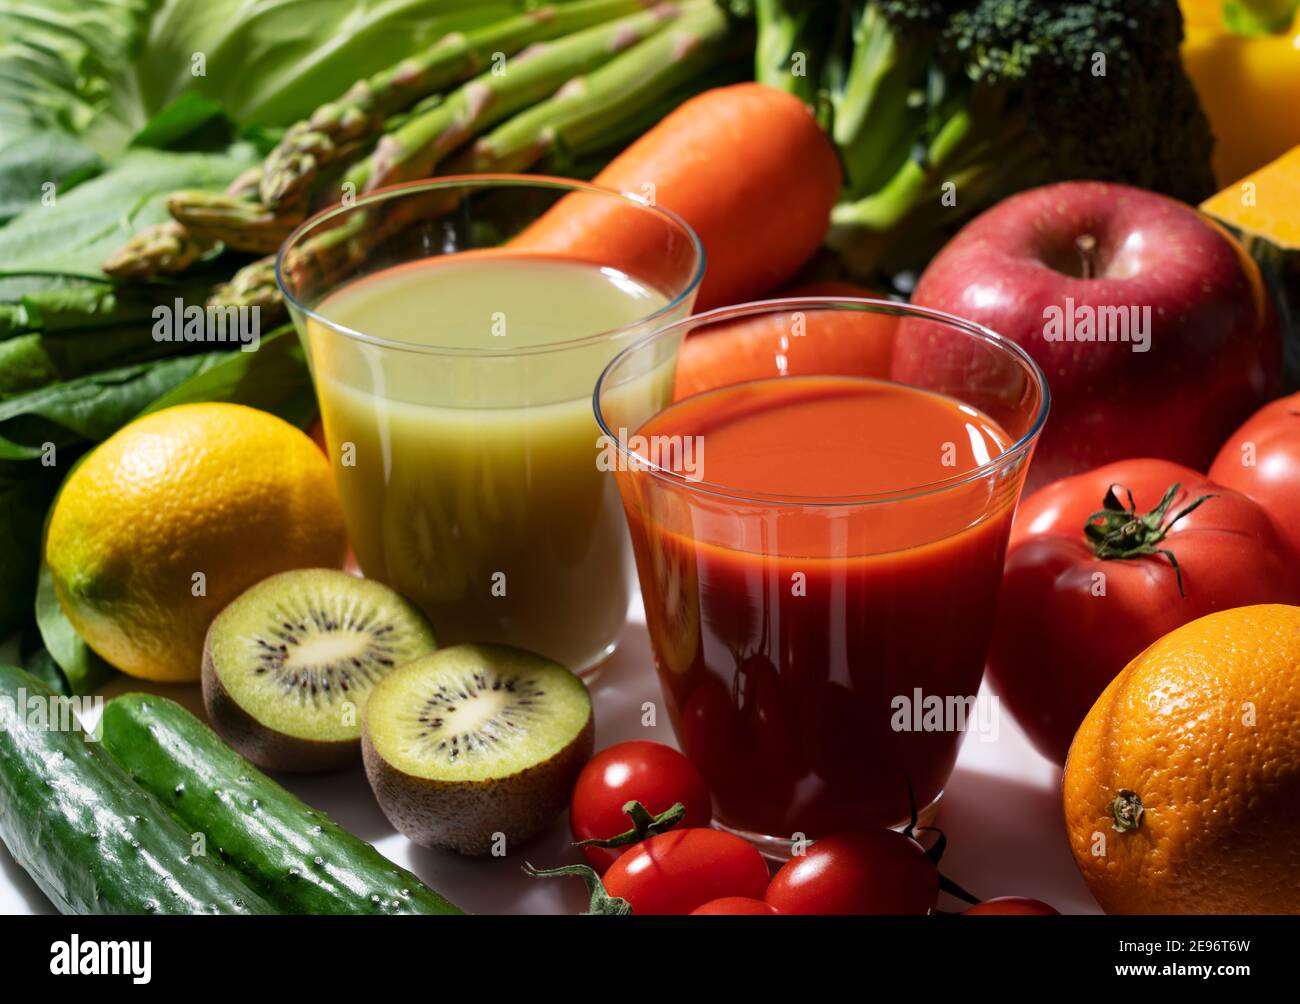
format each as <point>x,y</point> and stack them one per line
<point>1182,787</point>
<point>174,516</point>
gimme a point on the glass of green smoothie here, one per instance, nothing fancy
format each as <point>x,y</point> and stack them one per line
<point>455,329</point>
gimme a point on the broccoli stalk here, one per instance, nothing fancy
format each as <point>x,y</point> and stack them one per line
<point>947,106</point>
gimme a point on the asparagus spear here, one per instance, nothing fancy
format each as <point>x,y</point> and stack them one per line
<point>169,248</point>
<point>414,150</point>
<point>166,248</point>
<point>336,129</point>
<point>235,220</point>
<point>253,286</point>
<point>578,116</point>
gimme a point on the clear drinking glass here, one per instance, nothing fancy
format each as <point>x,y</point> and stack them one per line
<point>455,328</point>
<point>791,631</point>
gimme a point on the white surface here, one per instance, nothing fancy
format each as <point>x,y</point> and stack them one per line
<point>1001,812</point>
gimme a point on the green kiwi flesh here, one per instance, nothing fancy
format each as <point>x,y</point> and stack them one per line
<point>289,665</point>
<point>476,745</point>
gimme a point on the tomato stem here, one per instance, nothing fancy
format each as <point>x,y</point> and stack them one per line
<point>602,903</point>
<point>1117,531</point>
<point>644,825</point>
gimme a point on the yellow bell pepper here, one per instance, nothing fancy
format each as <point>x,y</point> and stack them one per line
<point>1249,84</point>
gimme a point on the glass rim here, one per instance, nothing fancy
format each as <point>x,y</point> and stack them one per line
<point>489,181</point>
<point>863,304</point>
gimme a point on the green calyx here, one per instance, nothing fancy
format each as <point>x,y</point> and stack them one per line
<point>644,825</point>
<point>602,903</point>
<point>1120,531</point>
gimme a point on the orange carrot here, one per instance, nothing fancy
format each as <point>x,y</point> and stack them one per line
<point>746,166</point>
<point>833,342</point>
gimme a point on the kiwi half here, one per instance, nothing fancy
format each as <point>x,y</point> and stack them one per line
<point>473,741</point>
<point>289,665</point>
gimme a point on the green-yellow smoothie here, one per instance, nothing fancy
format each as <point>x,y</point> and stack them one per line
<point>465,448</point>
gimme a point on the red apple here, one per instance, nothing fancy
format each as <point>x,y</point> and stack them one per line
<point>1184,340</point>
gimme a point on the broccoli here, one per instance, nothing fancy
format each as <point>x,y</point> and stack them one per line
<point>995,96</point>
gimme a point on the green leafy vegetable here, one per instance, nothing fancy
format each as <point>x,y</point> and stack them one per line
<point>37,161</point>
<point>81,668</point>
<point>81,228</point>
<point>275,378</point>
<point>92,407</point>
<point>181,119</point>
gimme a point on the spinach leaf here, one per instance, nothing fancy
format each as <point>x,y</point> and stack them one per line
<point>38,358</point>
<point>181,119</point>
<point>37,160</point>
<point>54,302</point>
<point>92,407</point>
<point>77,233</point>
<point>275,378</point>
<point>81,667</point>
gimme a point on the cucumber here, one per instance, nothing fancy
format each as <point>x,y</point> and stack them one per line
<point>89,837</point>
<point>300,859</point>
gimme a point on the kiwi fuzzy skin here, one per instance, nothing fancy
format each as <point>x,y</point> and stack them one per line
<point>266,747</point>
<point>463,816</point>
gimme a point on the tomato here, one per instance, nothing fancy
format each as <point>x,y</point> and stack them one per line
<point>653,774</point>
<point>1071,615</point>
<point>681,870</point>
<point>1262,460</point>
<point>875,871</point>
<point>777,344</point>
<point>735,906</point>
<point>1012,905</point>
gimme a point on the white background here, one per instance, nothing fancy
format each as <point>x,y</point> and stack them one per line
<point>1001,812</point>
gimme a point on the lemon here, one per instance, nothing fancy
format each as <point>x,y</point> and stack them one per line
<point>177,514</point>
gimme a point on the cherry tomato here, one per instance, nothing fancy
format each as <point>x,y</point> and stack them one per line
<point>735,906</point>
<point>651,773</point>
<point>1073,613</point>
<point>681,870</point>
<point>875,871</point>
<point>1262,460</point>
<point>1012,905</point>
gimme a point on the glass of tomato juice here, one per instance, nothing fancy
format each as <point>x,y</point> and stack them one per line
<point>819,497</point>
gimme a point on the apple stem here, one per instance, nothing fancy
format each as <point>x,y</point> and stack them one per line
<point>1087,247</point>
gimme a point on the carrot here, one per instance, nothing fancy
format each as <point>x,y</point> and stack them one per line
<point>834,342</point>
<point>746,166</point>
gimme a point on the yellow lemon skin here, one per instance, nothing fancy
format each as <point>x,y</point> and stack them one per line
<point>177,514</point>
<point>1197,744</point>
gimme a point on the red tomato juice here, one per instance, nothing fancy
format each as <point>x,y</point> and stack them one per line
<point>796,624</point>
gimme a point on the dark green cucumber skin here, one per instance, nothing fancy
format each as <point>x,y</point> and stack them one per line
<point>94,841</point>
<point>296,856</point>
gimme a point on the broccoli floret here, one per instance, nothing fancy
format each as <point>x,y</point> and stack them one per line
<point>994,96</point>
